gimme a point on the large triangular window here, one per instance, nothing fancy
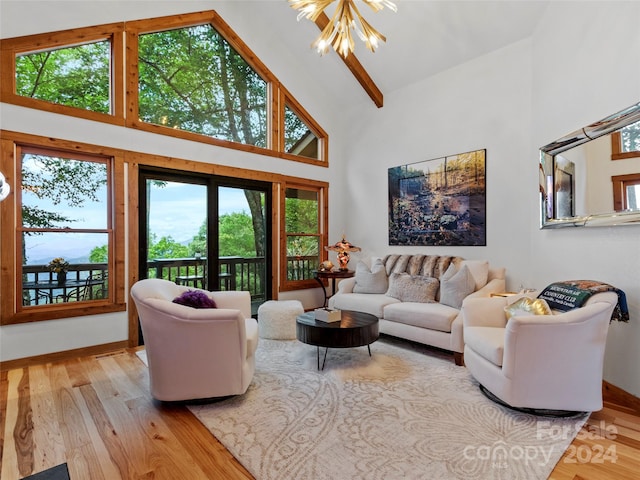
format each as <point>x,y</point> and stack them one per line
<point>188,76</point>
<point>192,79</point>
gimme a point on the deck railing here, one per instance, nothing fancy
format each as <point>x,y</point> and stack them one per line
<point>77,275</point>
<point>235,273</point>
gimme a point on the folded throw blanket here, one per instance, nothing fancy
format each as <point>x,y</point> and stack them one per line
<point>572,294</point>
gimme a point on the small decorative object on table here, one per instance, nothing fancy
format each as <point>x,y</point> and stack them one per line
<point>325,266</point>
<point>59,266</point>
<point>328,315</point>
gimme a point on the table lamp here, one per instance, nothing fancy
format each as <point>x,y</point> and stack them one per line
<point>343,248</point>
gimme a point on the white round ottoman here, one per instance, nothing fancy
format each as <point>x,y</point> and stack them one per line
<point>277,319</point>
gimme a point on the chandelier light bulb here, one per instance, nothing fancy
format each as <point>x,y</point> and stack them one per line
<point>338,31</point>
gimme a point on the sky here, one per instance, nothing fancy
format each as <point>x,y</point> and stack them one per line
<point>177,210</point>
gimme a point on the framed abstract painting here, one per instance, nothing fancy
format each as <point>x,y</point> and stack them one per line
<point>439,202</point>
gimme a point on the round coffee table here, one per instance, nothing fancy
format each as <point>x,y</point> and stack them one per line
<point>356,329</point>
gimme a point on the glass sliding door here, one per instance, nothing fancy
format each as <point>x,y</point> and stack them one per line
<point>244,233</point>
<point>206,232</point>
<point>174,229</point>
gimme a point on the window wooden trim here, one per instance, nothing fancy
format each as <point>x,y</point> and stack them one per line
<point>323,212</point>
<point>323,139</point>
<point>274,87</point>
<point>616,148</point>
<point>620,183</point>
<point>124,42</point>
<point>12,47</point>
<point>11,310</point>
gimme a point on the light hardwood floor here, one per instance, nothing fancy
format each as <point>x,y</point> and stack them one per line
<point>96,414</point>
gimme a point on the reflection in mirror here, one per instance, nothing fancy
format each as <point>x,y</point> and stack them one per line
<point>591,177</point>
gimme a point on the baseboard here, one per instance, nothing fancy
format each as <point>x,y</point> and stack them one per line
<point>613,394</point>
<point>61,356</point>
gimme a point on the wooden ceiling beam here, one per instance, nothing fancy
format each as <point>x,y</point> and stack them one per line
<point>356,68</point>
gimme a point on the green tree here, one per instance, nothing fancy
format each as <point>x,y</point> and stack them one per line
<point>191,78</point>
<point>166,247</point>
<point>99,254</point>
<point>76,76</point>
<point>236,236</point>
<point>199,242</point>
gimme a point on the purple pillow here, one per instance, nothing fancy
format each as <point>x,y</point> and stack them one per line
<point>195,299</point>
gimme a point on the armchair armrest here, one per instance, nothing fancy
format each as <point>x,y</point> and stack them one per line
<point>234,300</point>
<point>484,312</point>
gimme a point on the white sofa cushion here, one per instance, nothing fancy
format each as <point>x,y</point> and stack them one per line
<point>372,280</point>
<point>488,342</point>
<point>413,288</point>
<point>480,271</point>
<point>372,303</point>
<point>433,316</point>
<point>456,285</point>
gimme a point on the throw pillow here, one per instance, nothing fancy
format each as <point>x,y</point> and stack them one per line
<point>413,288</point>
<point>195,299</point>
<point>480,271</point>
<point>456,285</point>
<point>372,280</point>
<point>527,306</point>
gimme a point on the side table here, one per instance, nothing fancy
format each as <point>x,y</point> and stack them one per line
<point>332,275</point>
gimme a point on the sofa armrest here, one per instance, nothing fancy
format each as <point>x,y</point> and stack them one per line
<point>484,312</point>
<point>346,285</point>
<point>495,285</point>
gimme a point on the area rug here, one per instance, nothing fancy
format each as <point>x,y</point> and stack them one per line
<point>400,414</point>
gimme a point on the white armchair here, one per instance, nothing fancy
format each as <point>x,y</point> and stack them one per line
<point>196,353</point>
<point>542,362</point>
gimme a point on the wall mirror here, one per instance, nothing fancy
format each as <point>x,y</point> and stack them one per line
<point>591,177</point>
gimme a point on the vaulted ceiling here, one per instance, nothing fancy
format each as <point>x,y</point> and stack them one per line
<point>423,38</point>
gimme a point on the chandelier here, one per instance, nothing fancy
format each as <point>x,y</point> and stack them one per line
<point>338,32</point>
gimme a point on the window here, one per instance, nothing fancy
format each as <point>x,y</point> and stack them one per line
<point>303,238</point>
<point>298,137</point>
<point>195,79</point>
<point>626,192</point>
<point>625,143</point>
<point>188,76</point>
<point>77,76</point>
<point>77,72</point>
<point>192,79</point>
<point>302,136</point>
<point>66,242</point>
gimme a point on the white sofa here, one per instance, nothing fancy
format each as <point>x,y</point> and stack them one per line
<point>428,322</point>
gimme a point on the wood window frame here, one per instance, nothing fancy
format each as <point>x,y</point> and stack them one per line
<point>616,148</point>
<point>11,310</point>
<point>12,47</point>
<point>275,90</point>
<point>323,212</point>
<point>620,184</point>
<point>124,81</point>
<point>286,99</point>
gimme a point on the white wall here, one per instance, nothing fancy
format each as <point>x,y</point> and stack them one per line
<point>585,68</point>
<point>482,104</point>
<point>578,67</point>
